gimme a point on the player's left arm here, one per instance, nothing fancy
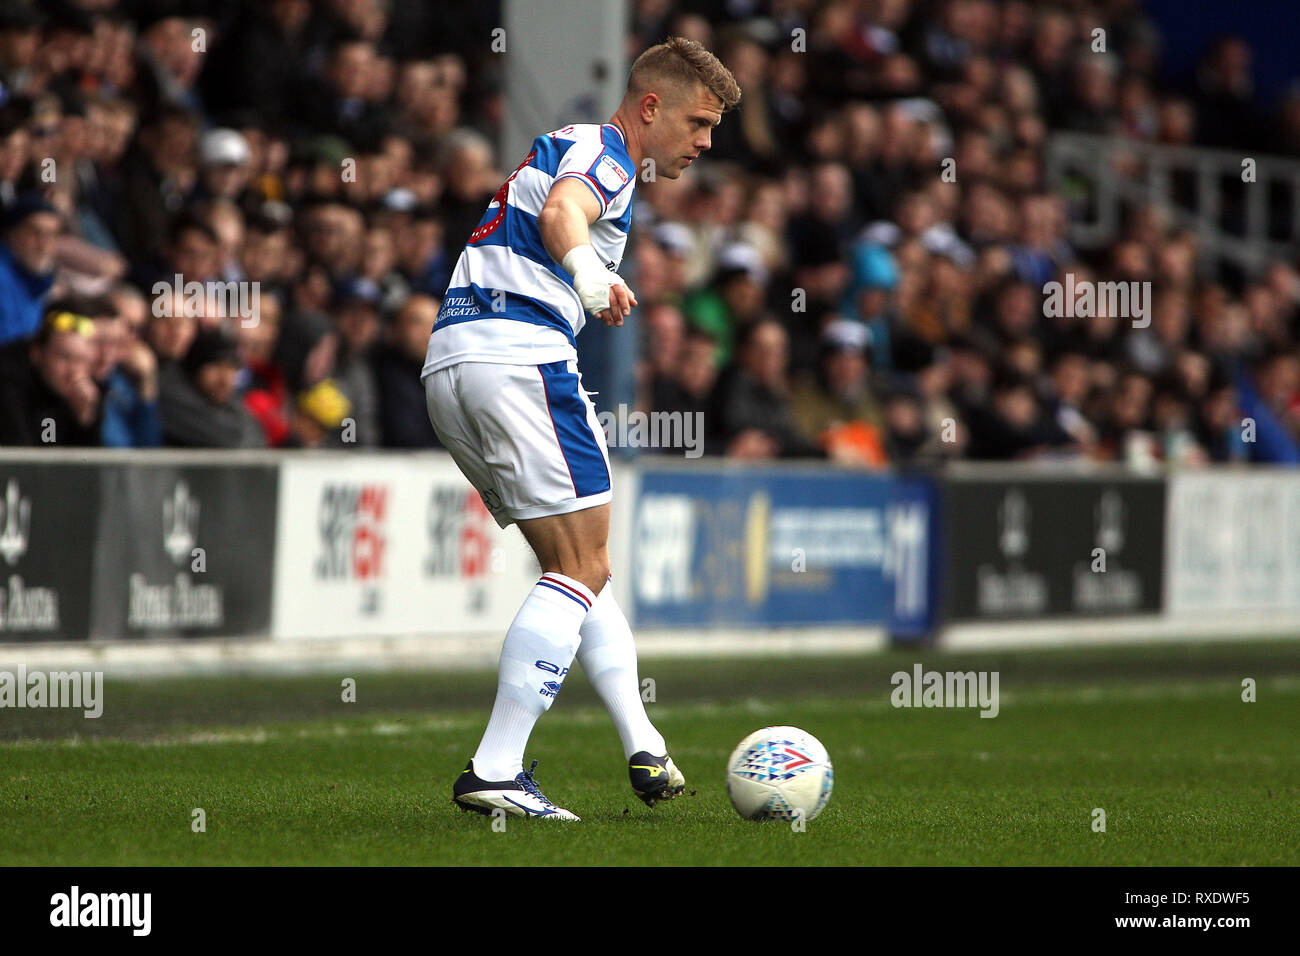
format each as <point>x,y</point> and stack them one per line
<point>565,224</point>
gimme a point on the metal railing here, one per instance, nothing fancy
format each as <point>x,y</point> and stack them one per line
<point>1109,173</point>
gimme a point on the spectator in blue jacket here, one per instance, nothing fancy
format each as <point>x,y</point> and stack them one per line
<point>126,372</point>
<point>31,230</point>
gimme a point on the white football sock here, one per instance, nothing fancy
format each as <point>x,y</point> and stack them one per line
<point>538,650</point>
<point>608,656</point>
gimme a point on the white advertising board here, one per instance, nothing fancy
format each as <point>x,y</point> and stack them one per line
<point>391,545</point>
<point>1233,542</point>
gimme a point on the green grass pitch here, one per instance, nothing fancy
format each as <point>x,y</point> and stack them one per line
<point>286,773</point>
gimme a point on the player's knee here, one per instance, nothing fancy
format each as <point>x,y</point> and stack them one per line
<point>592,572</point>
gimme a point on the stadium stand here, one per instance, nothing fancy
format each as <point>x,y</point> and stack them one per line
<point>860,271</point>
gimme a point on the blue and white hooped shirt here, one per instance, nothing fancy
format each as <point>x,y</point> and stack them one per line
<point>509,301</point>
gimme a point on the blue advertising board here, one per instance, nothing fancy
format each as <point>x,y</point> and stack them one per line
<point>724,546</point>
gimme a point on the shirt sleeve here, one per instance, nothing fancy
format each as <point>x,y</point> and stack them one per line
<point>603,171</point>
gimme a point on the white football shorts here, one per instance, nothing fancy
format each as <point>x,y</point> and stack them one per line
<point>526,436</point>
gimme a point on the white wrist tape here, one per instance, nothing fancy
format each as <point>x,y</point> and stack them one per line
<point>591,280</point>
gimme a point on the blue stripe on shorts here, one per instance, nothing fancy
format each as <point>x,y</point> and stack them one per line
<point>577,443</point>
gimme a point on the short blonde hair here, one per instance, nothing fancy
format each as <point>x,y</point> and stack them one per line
<point>681,63</point>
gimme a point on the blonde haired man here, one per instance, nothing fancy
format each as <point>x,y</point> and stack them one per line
<point>505,397</point>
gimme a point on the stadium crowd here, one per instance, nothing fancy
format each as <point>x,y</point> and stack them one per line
<point>817,287</point>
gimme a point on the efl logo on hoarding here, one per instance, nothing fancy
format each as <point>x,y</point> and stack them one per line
<point>352,532</point>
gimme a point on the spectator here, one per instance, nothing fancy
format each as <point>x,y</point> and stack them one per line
<point>262,380</point>
<point>1068,398</point>
<point>665,335</point>
<point>836,408</point>
<point>1013,426</point>
<point>257,65</point>
<point>688,390</point>
<point>1225,105</point>
<point>1218,425</point>
<point>422,256</point>
<point>906,434</point>
<point>752,409</point>
<point>267,256</point>
<point>340,103</point>
<point>734,301</point>
<point>397,361</point>
<point>126,372</point>
<point>158,175</point>
<point>32,228</point>
<point>357,320</point>
<point>1172,417</point>
<point>203,410</point>
<point>224,165</point>
<point>51,399</point>
<point>191,251</point>
<point>319,415</point>
<point>471,182</point>
<point>169,59</point>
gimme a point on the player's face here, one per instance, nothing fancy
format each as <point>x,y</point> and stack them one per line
<point>686,130</point>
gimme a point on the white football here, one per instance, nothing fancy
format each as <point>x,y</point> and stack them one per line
<point>776,772</point>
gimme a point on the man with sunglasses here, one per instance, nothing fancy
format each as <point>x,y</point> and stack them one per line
<point>51,399</point>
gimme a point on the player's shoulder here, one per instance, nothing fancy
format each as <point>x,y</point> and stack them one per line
<point>596,153</point>
<point>599,137</point>
<point>576,133</point>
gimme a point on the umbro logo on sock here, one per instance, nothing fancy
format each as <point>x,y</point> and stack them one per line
<point>549,689</point>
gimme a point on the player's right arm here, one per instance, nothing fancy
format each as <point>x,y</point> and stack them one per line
<point>565,220</point>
